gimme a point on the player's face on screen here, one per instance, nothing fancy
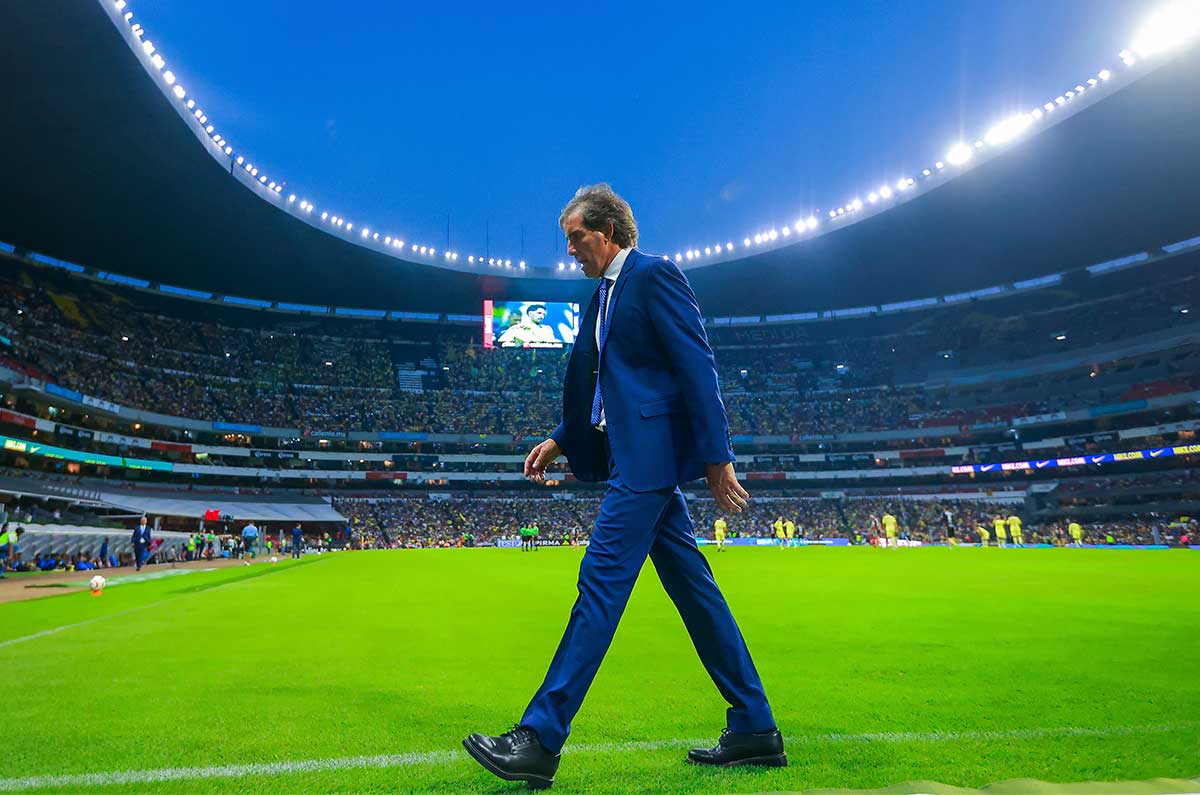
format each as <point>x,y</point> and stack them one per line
<point>537,315</point>
<point>587,246</point>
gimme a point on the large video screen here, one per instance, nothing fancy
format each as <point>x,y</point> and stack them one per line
<point>529,324</point>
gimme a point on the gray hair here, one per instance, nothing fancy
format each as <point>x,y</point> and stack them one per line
<point>601,206</point>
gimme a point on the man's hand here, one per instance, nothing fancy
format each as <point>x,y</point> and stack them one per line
<point>539,458</point>
<point>726,490</point>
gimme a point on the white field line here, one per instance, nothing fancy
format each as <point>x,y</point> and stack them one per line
<point>53,630</point>
<point>87,780</point>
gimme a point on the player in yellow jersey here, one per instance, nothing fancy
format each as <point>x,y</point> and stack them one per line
<point>1014,529</point>
<point>1001,531</point>
<point>889,529</point>
<point>1076,531</point>
<point>984,536</point>
<point>719,533</point>
<point>789,529</point>
<point>780,532</point>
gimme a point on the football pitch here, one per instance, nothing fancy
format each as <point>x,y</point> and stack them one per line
<point>362,672</point>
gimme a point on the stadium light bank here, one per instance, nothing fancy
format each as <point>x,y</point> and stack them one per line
<point>1175,25</point>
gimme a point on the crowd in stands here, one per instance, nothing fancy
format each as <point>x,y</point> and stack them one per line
<point>1184,479</point>
<point>424,522</point>
<point>101,342</point>
<point>411,522</point>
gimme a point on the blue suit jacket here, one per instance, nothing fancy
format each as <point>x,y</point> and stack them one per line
<point>658,381</point>
<point>140,536</point>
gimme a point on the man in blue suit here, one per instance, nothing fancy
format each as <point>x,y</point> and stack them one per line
<point>141,543</point>
<point>641,410</point>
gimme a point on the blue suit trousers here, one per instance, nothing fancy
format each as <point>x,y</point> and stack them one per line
<point>631,526</point>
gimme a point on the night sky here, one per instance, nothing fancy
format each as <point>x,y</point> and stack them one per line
<point>714,120</point>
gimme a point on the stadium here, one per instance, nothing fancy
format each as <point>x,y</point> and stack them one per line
<point>964,403</point>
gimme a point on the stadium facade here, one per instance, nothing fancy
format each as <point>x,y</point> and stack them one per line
<point>1003,334</point>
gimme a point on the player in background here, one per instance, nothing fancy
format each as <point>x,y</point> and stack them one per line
<point>889,529</point>
<point>524,538</point>
<point>875,532</point>
<point>719,527</point>
<point>8,547</point>
<point>1001,531</point>
<point>1014,530</point>
<point>535,531</point>
<point>1076,531</point>
<point>780,533</point>
<point>789,529</point>
<point>951,532</point>
<point>984,536</point>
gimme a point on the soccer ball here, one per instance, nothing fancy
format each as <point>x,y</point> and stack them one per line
<point>97,584</point>
<point>274,560</point>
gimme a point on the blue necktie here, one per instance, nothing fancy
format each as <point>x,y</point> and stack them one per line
<point>603,334</point>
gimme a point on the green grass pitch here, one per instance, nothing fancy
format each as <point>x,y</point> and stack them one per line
<point>962,666</point>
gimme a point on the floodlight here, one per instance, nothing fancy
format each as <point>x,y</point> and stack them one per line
<point>1173,25</point>
<point>1008,129</point>
<point>958,154</point>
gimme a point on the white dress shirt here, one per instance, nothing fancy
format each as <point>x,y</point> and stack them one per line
<point>611,273</point>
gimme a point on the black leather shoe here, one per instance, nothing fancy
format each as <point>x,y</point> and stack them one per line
<point>757,748</point>
<point>516,755</point>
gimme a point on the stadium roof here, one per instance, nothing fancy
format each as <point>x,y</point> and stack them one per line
<point>100,169</point>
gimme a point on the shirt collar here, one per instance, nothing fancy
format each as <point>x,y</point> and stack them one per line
<point>614,267</point>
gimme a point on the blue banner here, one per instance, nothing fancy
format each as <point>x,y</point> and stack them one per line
<point>236,426</point>
<point>1082,460</point>
<point>1117,408</point>
<point>69,394</point>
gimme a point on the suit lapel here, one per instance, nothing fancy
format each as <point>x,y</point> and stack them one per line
<point>631,262</point>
